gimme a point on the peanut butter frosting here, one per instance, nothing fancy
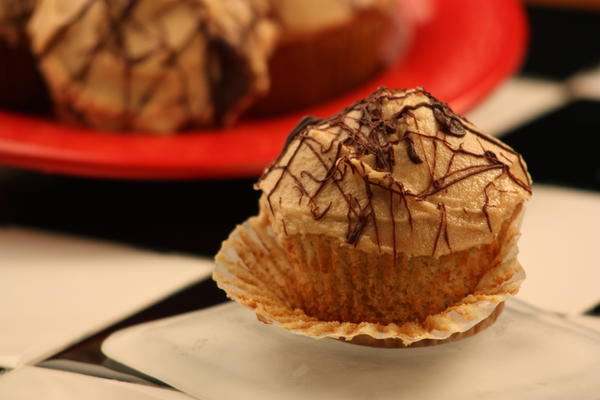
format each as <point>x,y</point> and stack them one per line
<point>306,15</point>
<point>160,65</point>
<point>397,172</point>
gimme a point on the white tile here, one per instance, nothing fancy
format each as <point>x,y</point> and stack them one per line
<point>559,249</point>
<point>586,84</point>
<point>592,322</point>
<point>31,383</point>
<point>226,353</point>
<point>515,102</point>
<point>58,289</point>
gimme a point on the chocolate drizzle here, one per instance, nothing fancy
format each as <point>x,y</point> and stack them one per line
<point>450,124</point>
<point>363,138</point>
<point>304,123</point>
<point>234,80</point>
<point>442,231</point>
<point>410,150</point>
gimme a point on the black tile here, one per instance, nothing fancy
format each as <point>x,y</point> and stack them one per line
<point>192,217</point>
<point>562,42</point>
<point>563,147</point>
<point>594,311</point>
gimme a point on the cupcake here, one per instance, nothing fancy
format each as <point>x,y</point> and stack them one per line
<point>327,48</point>
<point>21,85</point>
<point>393,222</point>
<point>157,66</point>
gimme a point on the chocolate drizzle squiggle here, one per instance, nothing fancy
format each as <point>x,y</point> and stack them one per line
<point>363,141</point>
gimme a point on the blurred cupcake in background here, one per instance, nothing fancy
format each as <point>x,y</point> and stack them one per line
<point>327,48</point>
<point>21,86</point>
<point>165,65</point>
<point>153,65</point>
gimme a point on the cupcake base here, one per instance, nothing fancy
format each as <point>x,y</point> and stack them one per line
<point>254,269</point>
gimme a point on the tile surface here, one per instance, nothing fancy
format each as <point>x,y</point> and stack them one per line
<point>225,353</point>
<point>31,383</point>
<point>60,289</point>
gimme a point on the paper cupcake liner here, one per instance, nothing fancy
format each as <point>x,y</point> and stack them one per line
<point>255,270</point>
<point>392,343</point>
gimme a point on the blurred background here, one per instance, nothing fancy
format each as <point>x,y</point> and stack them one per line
<point>547,108</point>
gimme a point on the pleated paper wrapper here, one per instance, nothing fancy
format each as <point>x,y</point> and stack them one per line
<point>255,270</point>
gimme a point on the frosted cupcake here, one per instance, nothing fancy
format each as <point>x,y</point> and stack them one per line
<point>394,221</point>
<point>156,66</point>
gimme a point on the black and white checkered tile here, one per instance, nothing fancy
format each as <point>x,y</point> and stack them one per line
<point>550,112</point>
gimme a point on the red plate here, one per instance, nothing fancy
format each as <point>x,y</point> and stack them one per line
<point>459,55</point>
